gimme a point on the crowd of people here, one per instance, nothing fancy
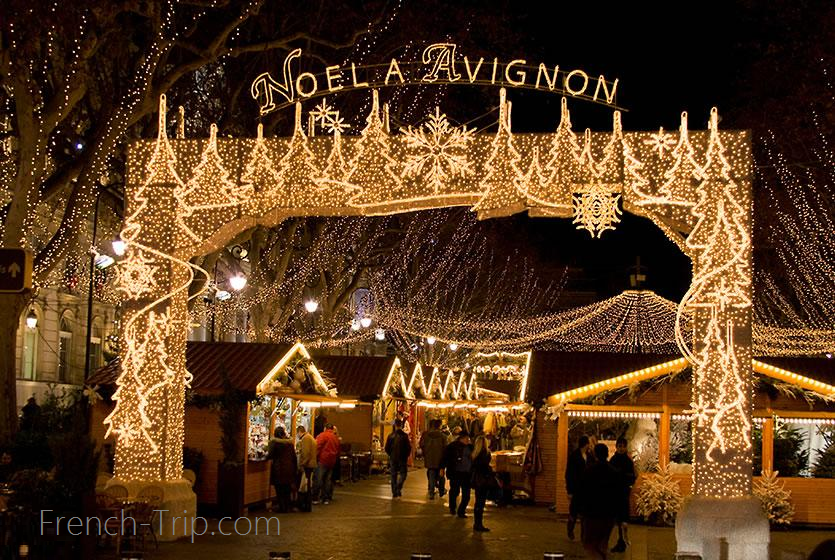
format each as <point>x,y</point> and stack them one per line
<point>303,474</point>
<point>599,489</point>
<point>464,462</point>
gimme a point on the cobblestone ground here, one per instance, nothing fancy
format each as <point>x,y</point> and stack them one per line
<point>364,522</point>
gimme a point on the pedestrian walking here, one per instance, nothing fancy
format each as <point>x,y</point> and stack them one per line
<point>573,473</point>
<point>433,443</point>
<point>307,466</point>
<point>457,464</point>
<point>625,467</point>
<point>327,451</point>
<point>283,468</point>
<point>398,448</point>
<point>483,480</point>
<point>599,485</point>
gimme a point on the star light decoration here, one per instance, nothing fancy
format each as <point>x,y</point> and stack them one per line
<point>661,142</point>
<point>437,150</point>
<point>596,208</point>
<point>136,274</point>
<point>328,119</point>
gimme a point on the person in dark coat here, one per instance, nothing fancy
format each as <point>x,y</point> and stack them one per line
<point>283,468</point>
<point>31,415</point>
<point>399,449</point>
<point>599,484</point>
<point>433,443</point>
<point>457,464</point>
<point>573,474</point>
<point>624,465</point>
<point>483,479</point>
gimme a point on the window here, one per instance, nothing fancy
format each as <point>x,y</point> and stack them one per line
<point>29,366</point>
<point>95,345</point>
<point>641,435</point>
<point>64,350</point>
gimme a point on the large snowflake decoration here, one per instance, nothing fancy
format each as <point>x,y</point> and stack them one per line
<point>136,275</point>
<point>661,141</point>
<point>596,208</point>
<point>438,150</point>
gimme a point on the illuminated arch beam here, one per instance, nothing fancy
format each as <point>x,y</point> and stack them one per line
<point>793,378</point>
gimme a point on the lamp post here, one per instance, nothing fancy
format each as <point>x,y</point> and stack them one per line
<point>89,337</point>
<point>119,248</point>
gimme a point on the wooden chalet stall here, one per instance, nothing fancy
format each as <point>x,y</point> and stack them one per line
<point>646,397</point>
<point>263,385</point>
<point>362,380</point>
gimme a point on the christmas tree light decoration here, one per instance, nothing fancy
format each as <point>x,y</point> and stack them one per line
<point>261,175</point>
<point>502,179</point>
<point>298,170</point>
<point>437,151</point>
<point>563,169</point>
<point>373,169</point>
<point>209,191</point>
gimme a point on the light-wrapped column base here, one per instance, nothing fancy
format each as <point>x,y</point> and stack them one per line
<point>178,501</point>
<point>705,525</point>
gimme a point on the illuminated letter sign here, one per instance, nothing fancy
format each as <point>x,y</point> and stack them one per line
<point>438,64</point>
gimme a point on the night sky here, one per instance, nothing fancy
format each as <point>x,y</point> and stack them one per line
<point>667,61</point>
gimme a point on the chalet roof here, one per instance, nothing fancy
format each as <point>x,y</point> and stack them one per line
<point>819,369</point>
<point>246,364</point>
<point>554,372</point>
<point>361,377</point>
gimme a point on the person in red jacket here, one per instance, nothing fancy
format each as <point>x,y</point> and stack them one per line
<point>327,451</point>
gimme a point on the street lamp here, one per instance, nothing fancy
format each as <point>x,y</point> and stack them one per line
<point>365,322</point>
<point>31,319</point>
<point>238,282</point>
<point>380,335</point>
<point>355,325</point>
<point>119,245</point>
<point>430,340</point>
<point>311,305</point>
<point>453,346</point>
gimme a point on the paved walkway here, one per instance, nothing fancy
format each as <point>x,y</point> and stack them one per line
<point>364,522</point>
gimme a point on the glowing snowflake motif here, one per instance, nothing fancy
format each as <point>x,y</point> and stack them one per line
<point>596,208</point>
<point>136,275</point>
<point>661,142</point>
<point>438,151</point>
<point>335,123</point>
<point>126,433</point>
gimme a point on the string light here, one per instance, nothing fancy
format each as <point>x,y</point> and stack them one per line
<point>212,204</point>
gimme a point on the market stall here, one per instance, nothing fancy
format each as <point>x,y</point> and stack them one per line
<point>646,398</point>
<point>239,393</point>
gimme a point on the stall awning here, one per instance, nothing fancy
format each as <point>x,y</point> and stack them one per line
<point>246,364</point>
